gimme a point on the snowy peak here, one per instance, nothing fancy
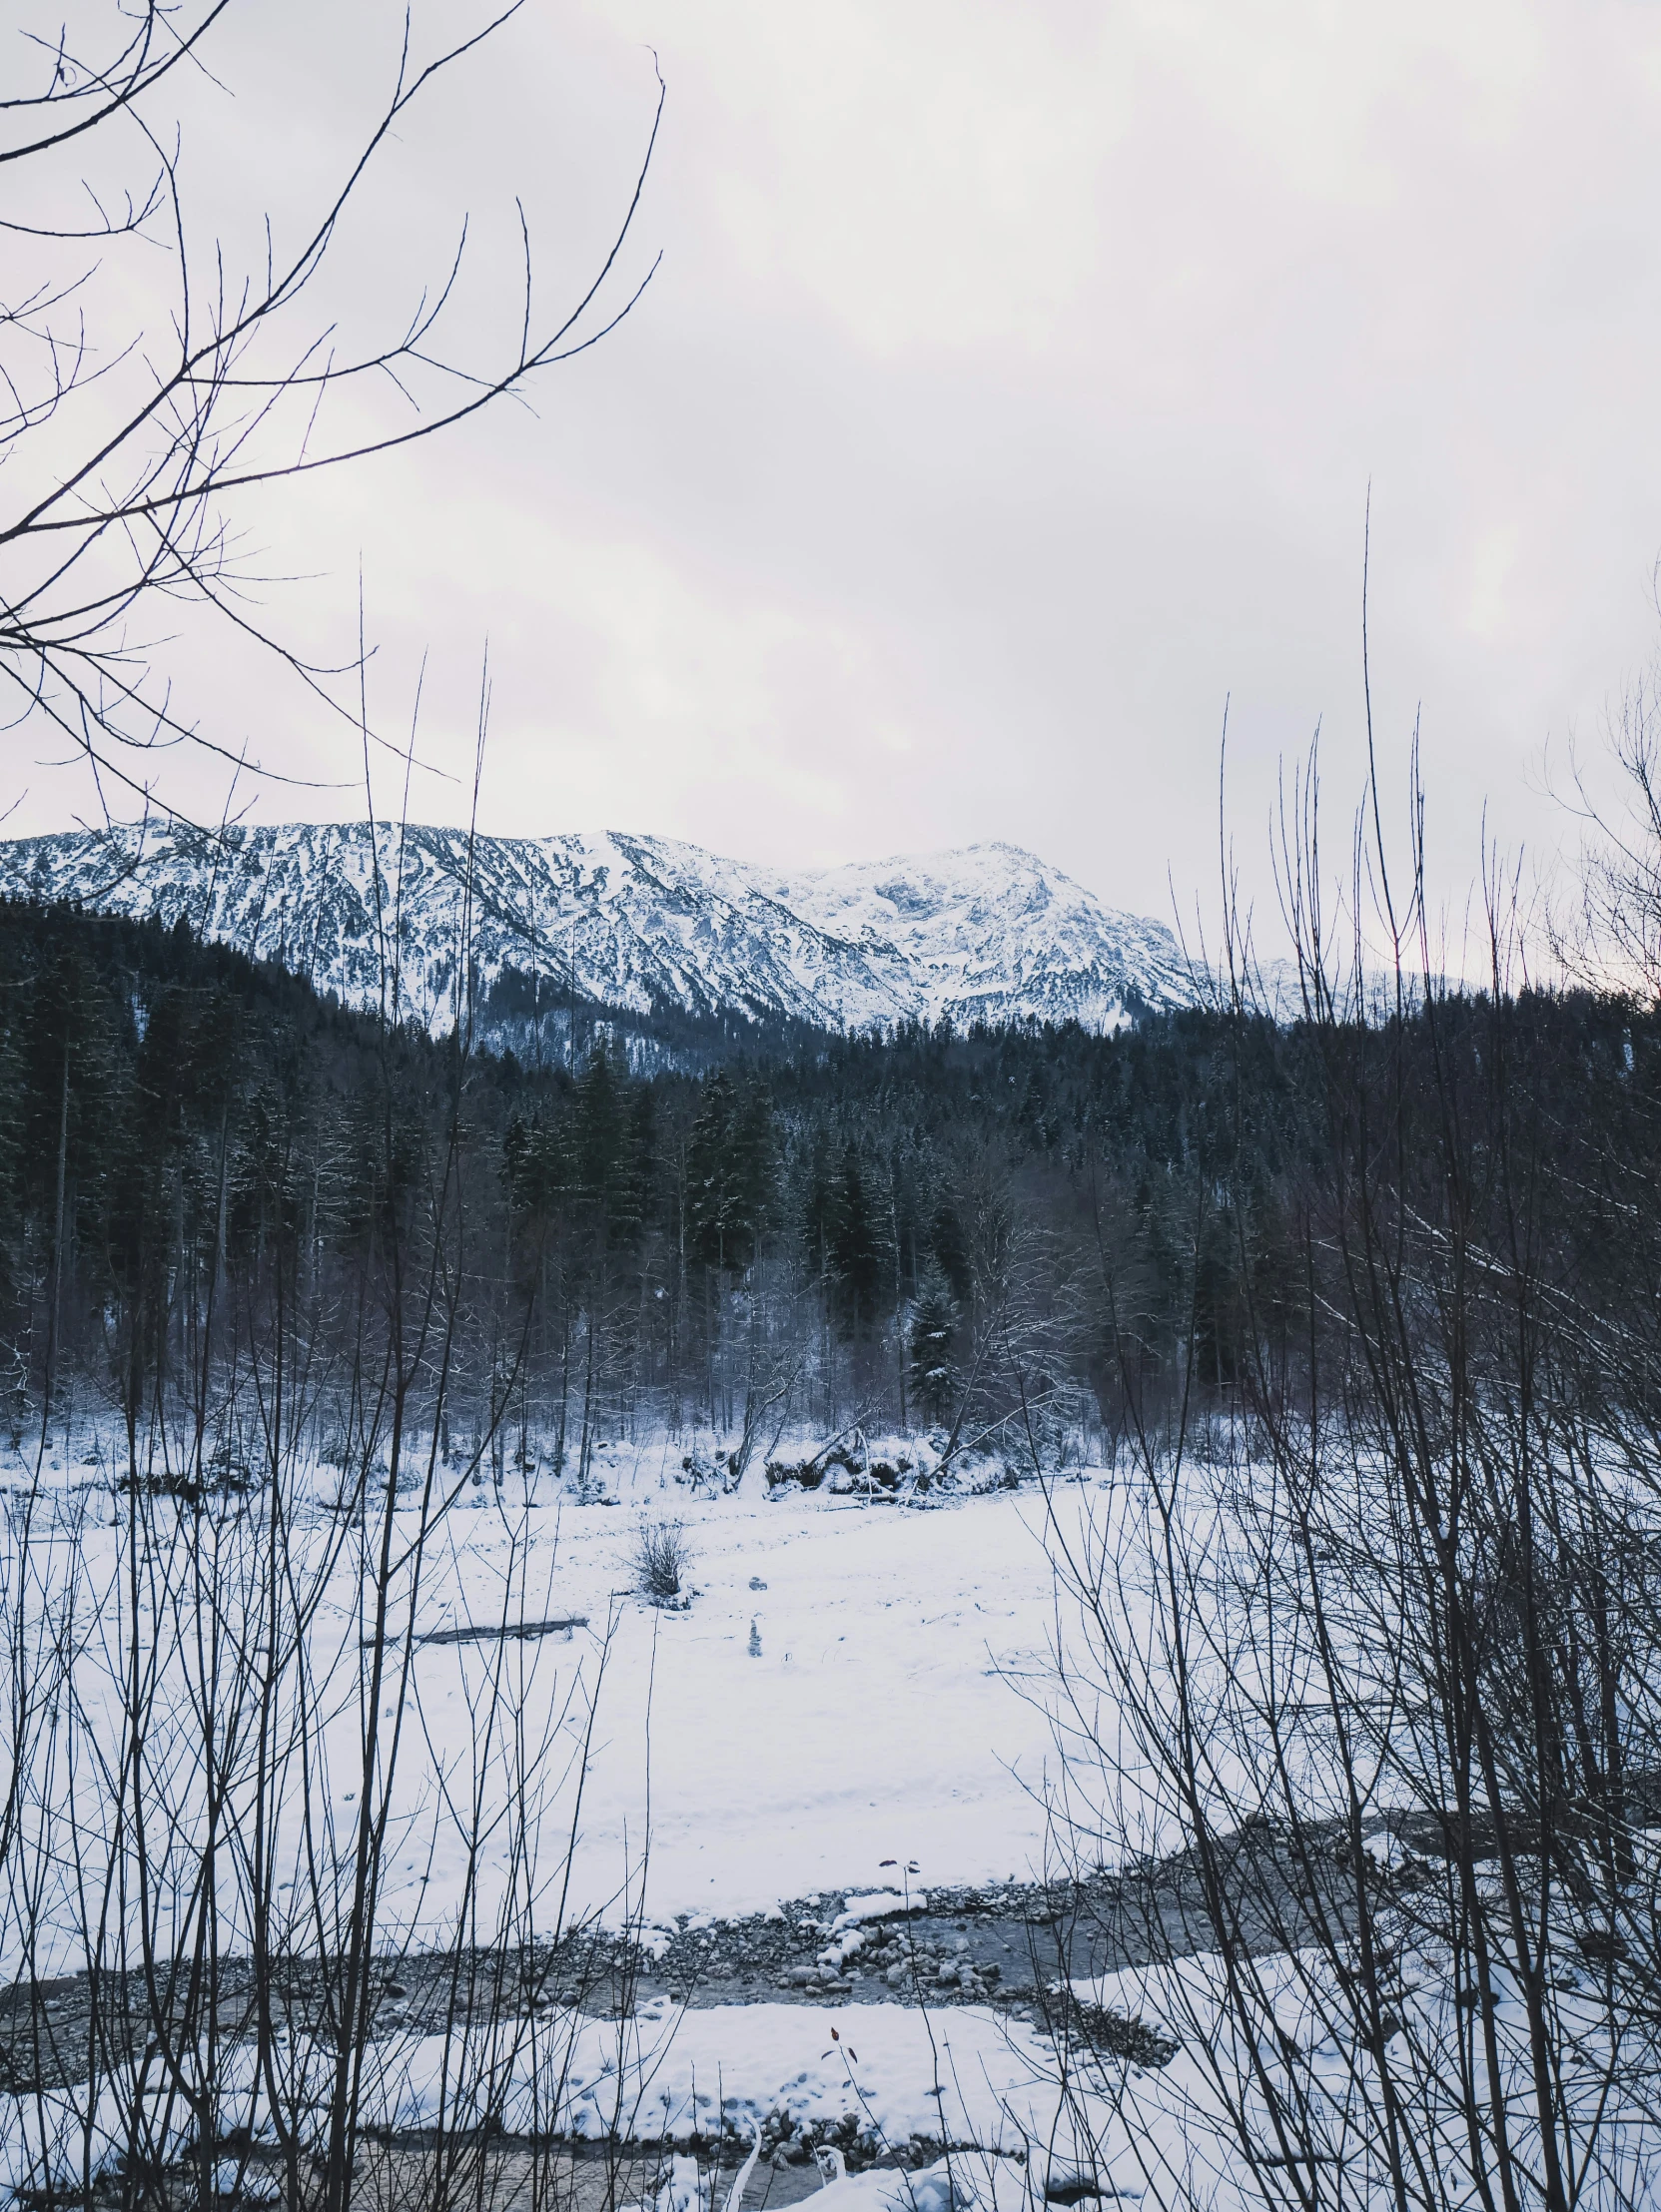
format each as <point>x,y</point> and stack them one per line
<point>994,935</point>
<point>641,923</point>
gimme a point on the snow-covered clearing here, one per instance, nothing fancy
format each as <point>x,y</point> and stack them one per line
<point>852,1688</point>
<point>855,1700</point>
<point>891,1728</point>
<point>881,1721</point>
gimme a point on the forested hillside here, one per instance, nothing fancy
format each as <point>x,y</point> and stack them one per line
<point>1020,1233</point>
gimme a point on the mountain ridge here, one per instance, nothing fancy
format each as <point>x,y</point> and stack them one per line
<point>984,933</point>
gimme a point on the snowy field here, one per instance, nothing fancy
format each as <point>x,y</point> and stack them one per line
<point>850,1684</point>
<point>882,1720</point>
<point>854,1694</point>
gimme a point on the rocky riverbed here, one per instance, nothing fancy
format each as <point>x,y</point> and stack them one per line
<point>1013,1946</point>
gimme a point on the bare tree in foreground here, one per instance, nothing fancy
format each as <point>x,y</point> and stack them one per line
<point>130,445</point>
<point>1380,1646</point>
<point>229,1768</point>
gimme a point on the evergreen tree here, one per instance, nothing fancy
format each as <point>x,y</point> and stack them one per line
<point>934,1325</point>
<point>858,1246</point>
<point>730,1173</point>
<point>951,1251</point>
<point>601,1172</point>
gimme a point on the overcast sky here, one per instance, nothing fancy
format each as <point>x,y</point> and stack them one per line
<point>1004,400</point>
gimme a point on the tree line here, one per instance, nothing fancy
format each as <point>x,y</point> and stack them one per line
<point>1031,1225</point>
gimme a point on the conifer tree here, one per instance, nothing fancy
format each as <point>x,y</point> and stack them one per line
<point>857,1244</point>
<point>934,1323</point>
<point>730,1171</point>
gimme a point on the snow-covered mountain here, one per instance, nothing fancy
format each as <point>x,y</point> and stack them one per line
<point>641,923</point>
<point>991,934</point>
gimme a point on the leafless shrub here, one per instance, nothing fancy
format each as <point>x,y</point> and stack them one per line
<point>662,1560</point>
<point>226,1776</point>
<point>1381,1657</point>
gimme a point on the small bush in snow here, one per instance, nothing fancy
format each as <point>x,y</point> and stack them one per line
<point>661,1559</point>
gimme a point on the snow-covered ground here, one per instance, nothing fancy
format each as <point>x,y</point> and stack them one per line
<point>854,1694</point>
<point>857,1693</point>
<point>1024,2118</point>
<point>852,1686</point>
<point>883,1719</point>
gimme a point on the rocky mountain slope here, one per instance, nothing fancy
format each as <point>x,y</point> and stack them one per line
<point>641,923</point>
